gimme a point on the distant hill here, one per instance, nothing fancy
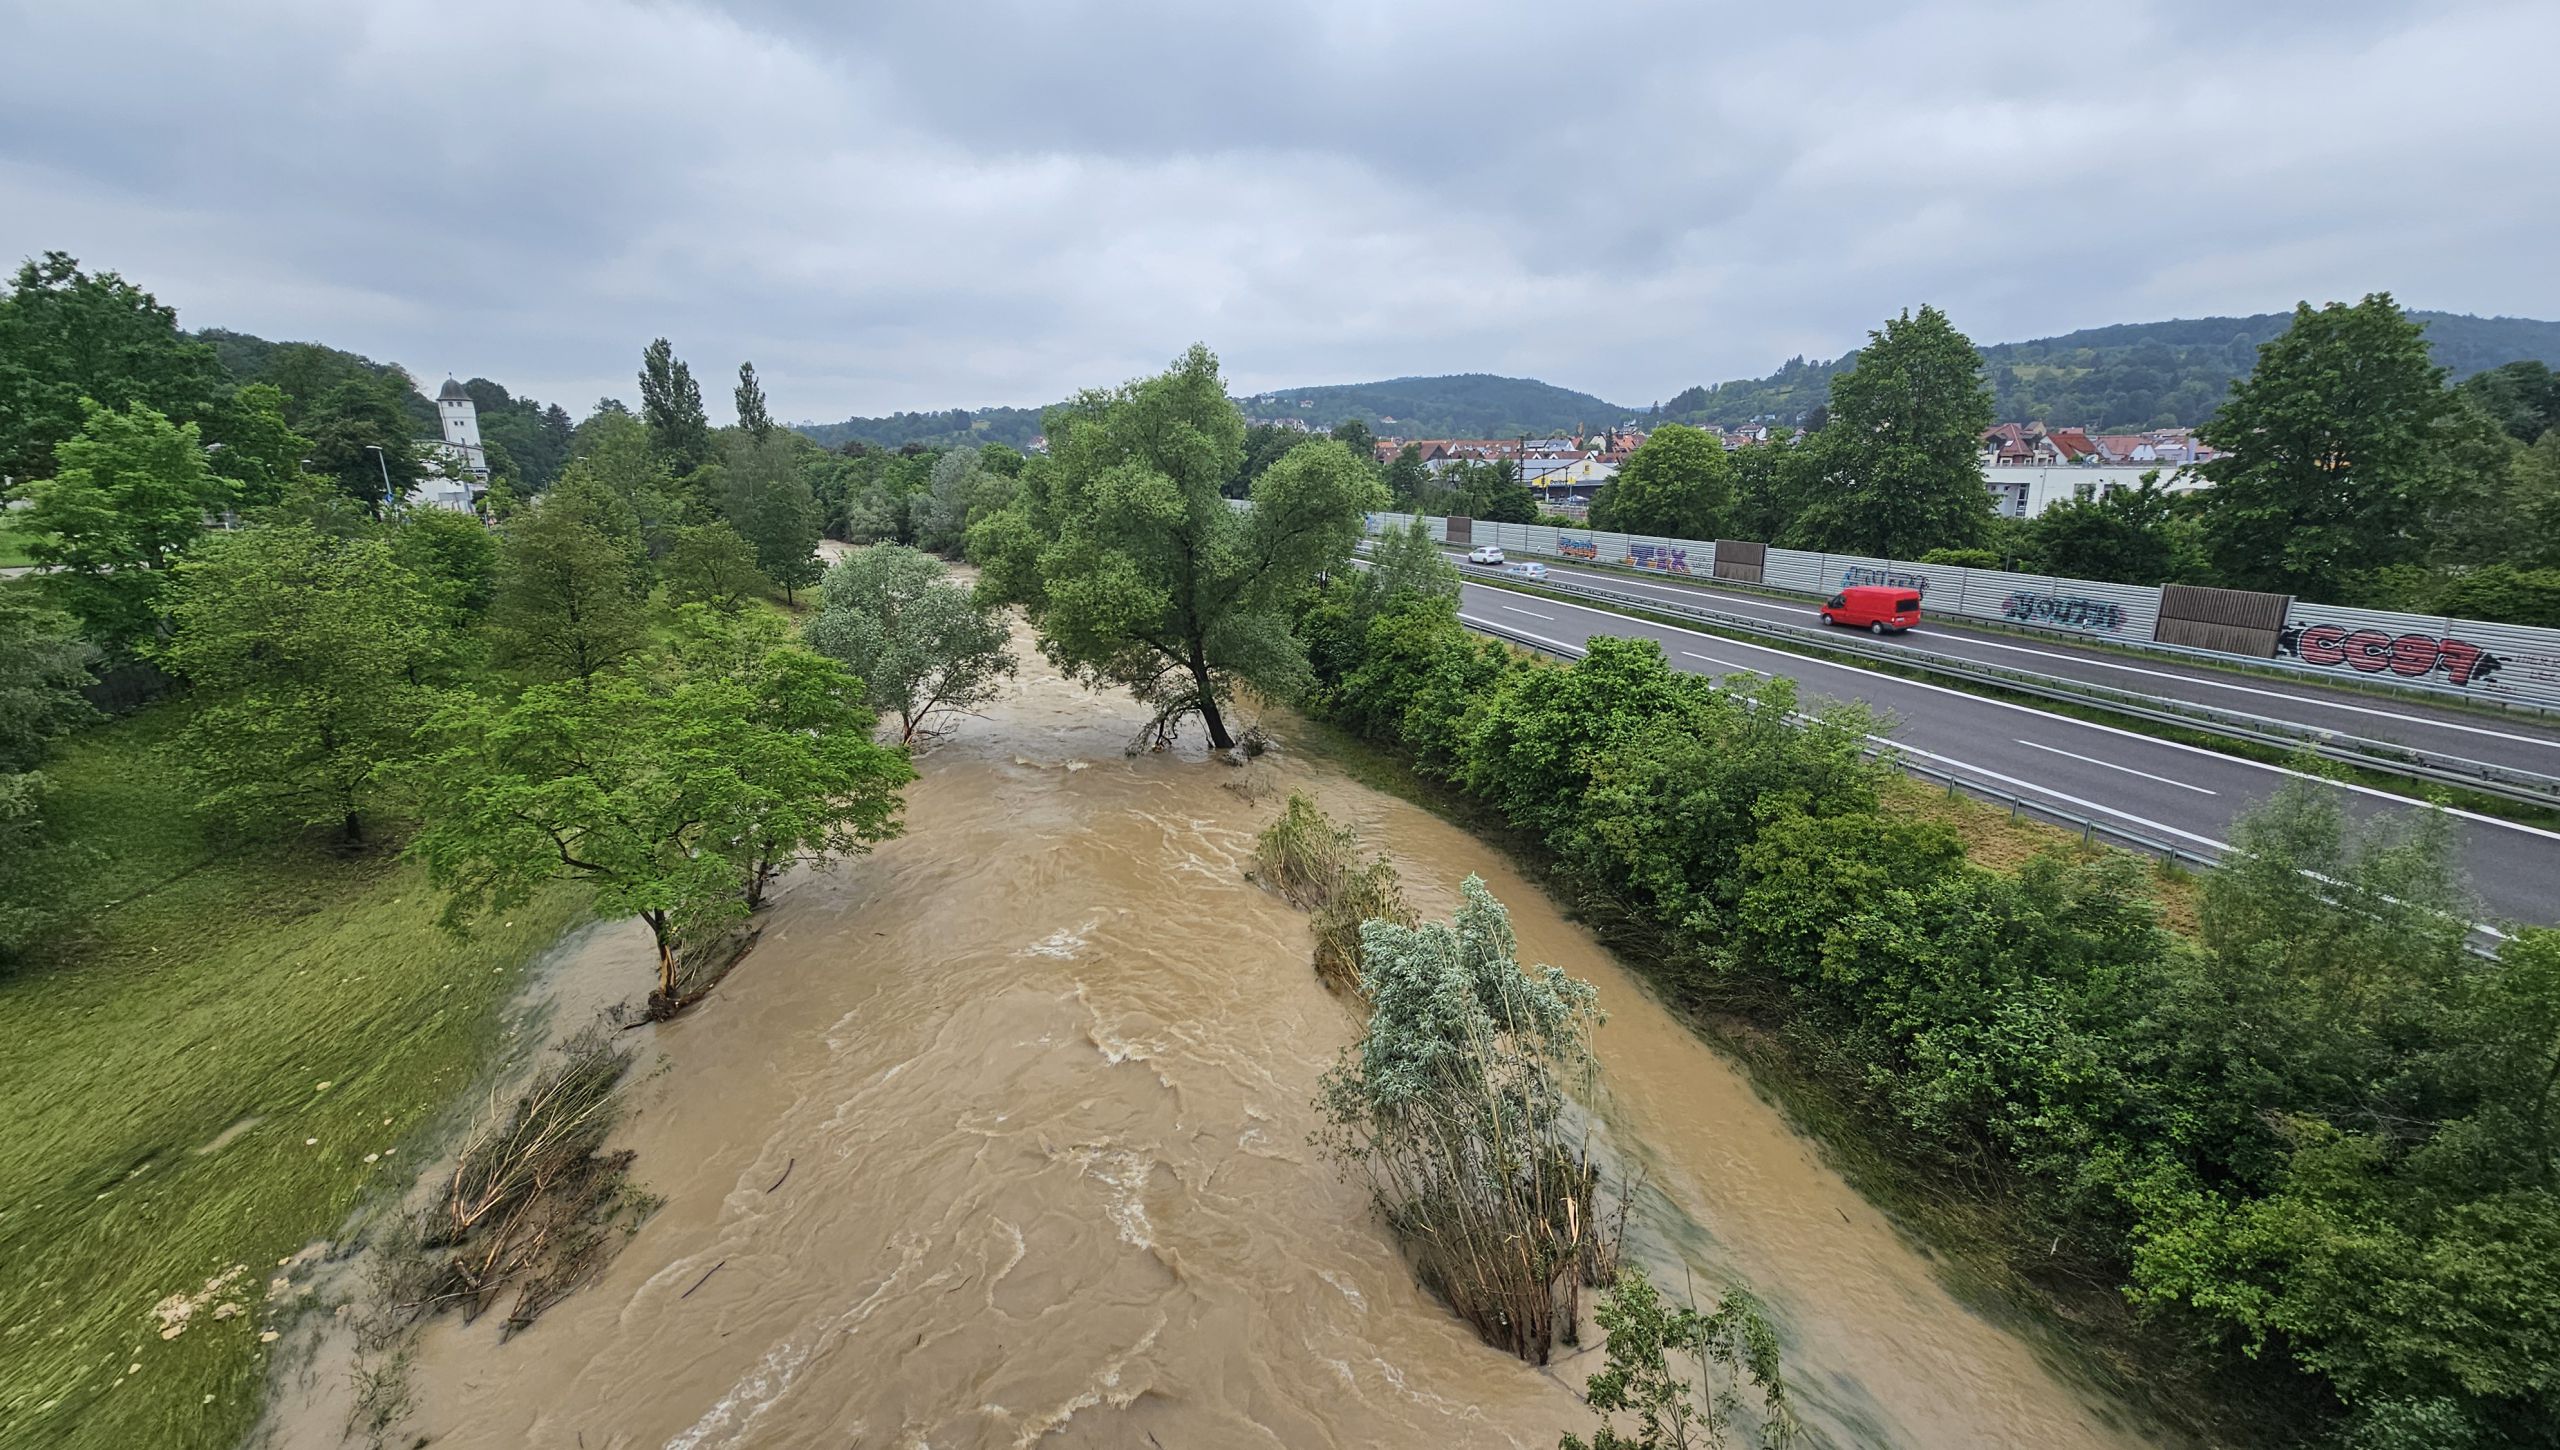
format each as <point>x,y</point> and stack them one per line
<point>1461,405</point>
<point>2127,376</point>
<point>1014,427</point>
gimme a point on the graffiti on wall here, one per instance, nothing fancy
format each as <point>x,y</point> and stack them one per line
<point>1573,548</point>
<point>2063,611</point>
<point>2372,651</point>
<point>1886,578</point>
<point>1659,557</point>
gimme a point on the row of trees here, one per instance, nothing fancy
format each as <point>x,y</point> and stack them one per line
<point>2318,1137</point>
<point>2352,474</point>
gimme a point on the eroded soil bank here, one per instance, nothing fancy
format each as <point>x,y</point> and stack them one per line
<point>1000,1137</point>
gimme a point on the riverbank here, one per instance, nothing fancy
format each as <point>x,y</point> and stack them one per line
<point>1000,1137</point>
<point>223,1054</point>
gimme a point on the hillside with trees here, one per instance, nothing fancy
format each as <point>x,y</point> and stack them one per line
<point>950,428</point>
<point>1461,405</point>
<point>2127,376</point>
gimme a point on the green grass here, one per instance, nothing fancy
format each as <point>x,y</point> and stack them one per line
<point>253,999</point>
<point>13,548</point>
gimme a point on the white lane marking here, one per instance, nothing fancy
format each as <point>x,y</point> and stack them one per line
<point>1524,634</point>
<point>1533,614</point>
<point>2111,765</point>
<point>1891,680</point>
<point>1722,664</point>
<point>1676,591</point>
<point>2049,790</point>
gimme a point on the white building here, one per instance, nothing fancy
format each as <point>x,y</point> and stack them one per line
<point>2024,491</point>
<point>457,464</point>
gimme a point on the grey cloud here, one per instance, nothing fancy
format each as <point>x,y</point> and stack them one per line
<point>925,205</point>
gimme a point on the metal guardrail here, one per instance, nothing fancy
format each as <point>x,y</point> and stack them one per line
<point>2481,942</point>
<point>2389,757</point>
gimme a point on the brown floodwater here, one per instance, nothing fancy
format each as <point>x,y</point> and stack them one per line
<point>999,1138</point>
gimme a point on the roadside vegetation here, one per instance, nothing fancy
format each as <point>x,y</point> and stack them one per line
<point>2296,1142</point>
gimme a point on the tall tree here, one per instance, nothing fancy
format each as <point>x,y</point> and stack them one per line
<point>1409,481</point>
<point>920,643</point>
<point>671,404</point>
<point>1127,557</point>
<point>130,492</point>
<point>363,440</point>
<point>260,452</point>
<point>710,564</point>
<point>2329,446</point>
<point>676,801</point>
<point>1679,484</point>
<point>1896,470</point>
<point>1353,434</point>
<point>767,499</point>
<point>570,598</point>
<point>67,336</point>
<point>307,653</point>
<point>752,416</point>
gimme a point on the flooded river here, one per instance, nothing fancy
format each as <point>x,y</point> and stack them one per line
<point>1000,1138</point>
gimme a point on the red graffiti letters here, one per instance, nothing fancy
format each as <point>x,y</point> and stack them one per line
<point>2371,652</point>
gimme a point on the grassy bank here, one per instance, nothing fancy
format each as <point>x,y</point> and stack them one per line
<point>224,1055</point>
<point>13,548</point>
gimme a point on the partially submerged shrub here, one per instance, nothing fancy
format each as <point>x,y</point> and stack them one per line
<point>1317,865</point>
<point>1455,1104</point>
<point>1680,1373</point>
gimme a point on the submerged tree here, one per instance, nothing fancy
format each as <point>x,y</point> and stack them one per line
<point>923,645</point>
<point>1138,572</point>
<point>678,802</point>
<point>1693,1401</point>
<point>1453,1105</point>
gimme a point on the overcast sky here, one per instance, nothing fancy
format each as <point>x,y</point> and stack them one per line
<point>940,203</point>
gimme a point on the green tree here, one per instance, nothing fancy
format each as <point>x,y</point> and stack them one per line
<point>44,665</point>
<point>1264,445</point>
<point>921,644</point>
<point>2127,535</point>
<point>1691,1404</point>
<point>363,440</point>
<point>259,451</point>
<point>2522,397</point>
<point>1125,553</point>
<point>307,654</point>
<point>1678,484</point>
<point>765,498</point>
<point>710,564</point>
<point>1409,481</point>
<point>1406,561</point>
<point>69,338</point>
<point>2329,452</point>
<point>1488,489</point>
<point>959,492</point>
<point>677,802</point>
<point>671,406</point>
<point>1353,434</point>
<point>612,450</point>
<point>454,558</point>
<point>753,420</point>
<point>130,492</point>
<point>1767,489</point>
<point>571,592</point>
<point>1897,471</point>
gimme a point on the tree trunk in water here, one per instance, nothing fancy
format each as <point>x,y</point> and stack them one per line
<point>666,960</point>
<point>1209,716</point>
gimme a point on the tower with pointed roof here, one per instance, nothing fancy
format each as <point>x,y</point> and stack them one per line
<point>461,421</point>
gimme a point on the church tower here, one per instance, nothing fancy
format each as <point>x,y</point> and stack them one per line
<point>462,427</point>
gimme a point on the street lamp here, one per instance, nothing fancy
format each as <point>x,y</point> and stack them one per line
<point>390,500</point>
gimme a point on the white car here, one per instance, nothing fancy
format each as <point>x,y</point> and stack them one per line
<point>1486,554</point>
<point>1527,571</point>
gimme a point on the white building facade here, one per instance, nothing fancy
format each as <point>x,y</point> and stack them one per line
<point>457,464</point>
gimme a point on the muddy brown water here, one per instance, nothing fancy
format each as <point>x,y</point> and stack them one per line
<point>1034,1085</point>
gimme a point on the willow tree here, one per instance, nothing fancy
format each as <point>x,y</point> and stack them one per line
<point>1140,574</point>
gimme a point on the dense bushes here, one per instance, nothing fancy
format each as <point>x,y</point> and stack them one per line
<point>2320,1138</point>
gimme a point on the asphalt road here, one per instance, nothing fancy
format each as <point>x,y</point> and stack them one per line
<point>2160,789</point>
<point>2523,742</point>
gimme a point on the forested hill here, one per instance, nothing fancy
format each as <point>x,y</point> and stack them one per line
<point>1014,427</point>
<point>2131,375</point>
<point>1462,405</point>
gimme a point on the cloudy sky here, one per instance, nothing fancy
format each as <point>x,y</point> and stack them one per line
<point>929,203</point>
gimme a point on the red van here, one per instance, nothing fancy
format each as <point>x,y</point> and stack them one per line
<point>1878,608</point>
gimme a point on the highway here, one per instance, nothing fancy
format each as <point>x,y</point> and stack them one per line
<point>2524,742</point>
<point>2164,790</point>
